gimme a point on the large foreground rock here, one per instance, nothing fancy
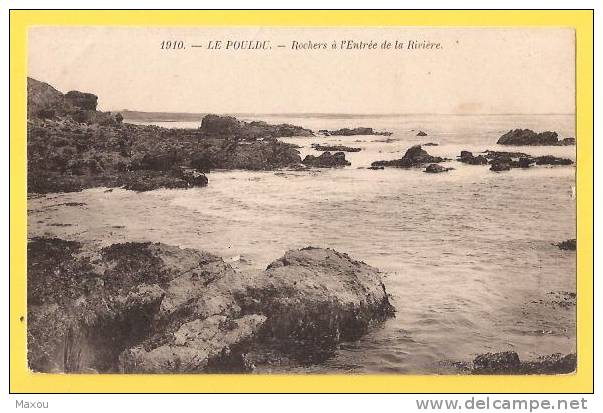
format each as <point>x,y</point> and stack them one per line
<point>314,298</point>
<point>520,137</point>
<point>149,307</point>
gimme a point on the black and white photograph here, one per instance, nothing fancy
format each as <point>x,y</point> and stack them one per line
<point>301,200</point>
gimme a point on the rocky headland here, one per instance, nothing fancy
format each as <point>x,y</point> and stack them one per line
<point>72,146</point>
<point>152,308</point>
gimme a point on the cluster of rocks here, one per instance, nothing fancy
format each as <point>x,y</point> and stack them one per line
<point>334,148</point>
<point>326,160</point>
<point>154,308</point>
<point>521,137</point>
<point>414,157</point>
<point>504,161</point>
<point>72,146</point>
<point>353,132</point>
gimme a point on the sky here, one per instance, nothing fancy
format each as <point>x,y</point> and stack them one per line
<point>475,70</point>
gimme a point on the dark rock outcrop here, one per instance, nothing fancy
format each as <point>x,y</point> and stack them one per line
<point>491,363</point>
<point>230,126</point>
<point>356,131</point>
<point>315,298</point>
<point>421,133</point>
<point>71,146</point>
<point>81,100</point>
<point>150,307</point>
<point>504,161</point>
<point>508,362</point>
<point>568,245</point>
<point>500,166</point>
<point>434,168</point>
<point>414,156</point>
<point>552,160</point>
<point>334,148</point>
<point>521,137</point>
<point>468,158</point>
<point>45,102</point>
<point>326,160</point>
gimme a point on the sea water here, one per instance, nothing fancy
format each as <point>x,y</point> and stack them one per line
<point>466,255</point>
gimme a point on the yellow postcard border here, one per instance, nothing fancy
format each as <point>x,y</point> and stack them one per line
<point>24,381</point>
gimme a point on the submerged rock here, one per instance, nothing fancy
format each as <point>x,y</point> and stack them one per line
<point>326,160</point>
<point>499,166</point>
<point>414,156</point>
<point>434,168</point>
<point>339,148</point>
<point>552,160</point>
<point>150,307</point>
<point>520,137</point>
<point>569,245</point>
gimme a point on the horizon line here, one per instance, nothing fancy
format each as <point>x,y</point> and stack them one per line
<point>340,113</point>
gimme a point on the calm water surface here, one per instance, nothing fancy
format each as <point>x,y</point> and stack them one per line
<point>466,255</point>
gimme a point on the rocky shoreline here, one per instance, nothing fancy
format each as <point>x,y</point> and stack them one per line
<point>150,307</point>
<point>72,146</point>
<point>156,308</point>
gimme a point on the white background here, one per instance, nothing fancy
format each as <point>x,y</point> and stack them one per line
<point>263,403</point>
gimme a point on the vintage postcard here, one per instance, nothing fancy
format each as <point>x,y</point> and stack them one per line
<point>302,201</point>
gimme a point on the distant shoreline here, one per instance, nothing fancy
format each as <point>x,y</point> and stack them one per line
<point>142,116</point>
